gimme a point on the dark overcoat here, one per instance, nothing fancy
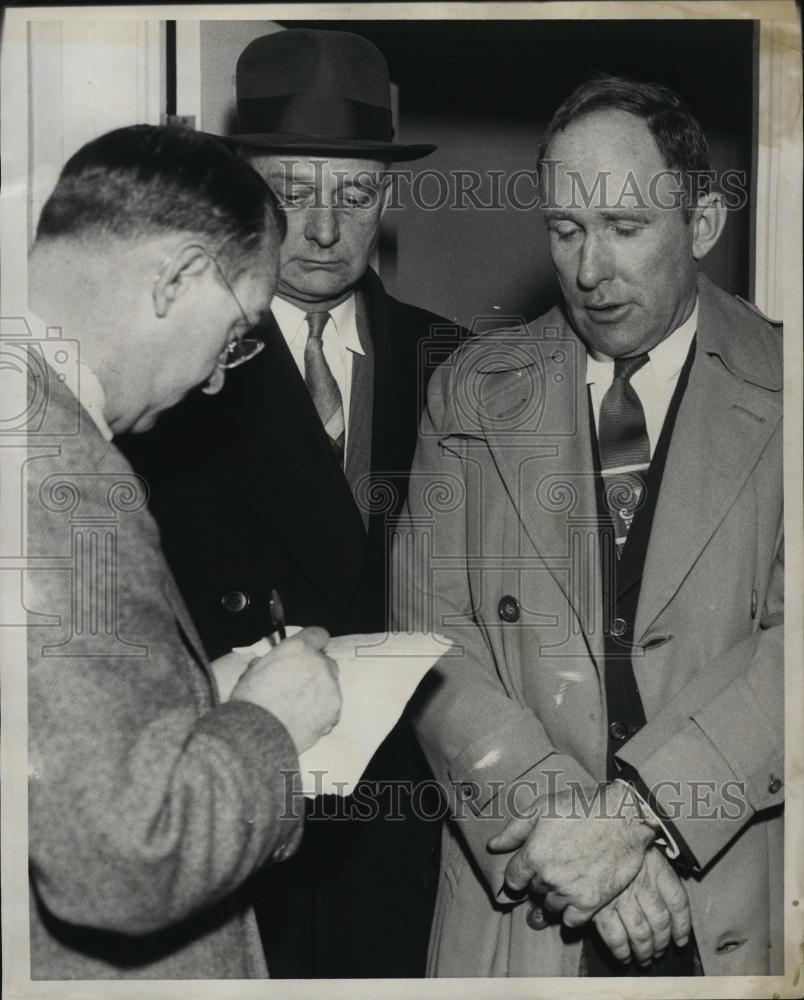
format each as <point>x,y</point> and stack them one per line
<point>249,496</point>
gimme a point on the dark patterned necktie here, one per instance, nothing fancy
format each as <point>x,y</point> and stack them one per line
<point>624,447</point>
<point>321,383</point>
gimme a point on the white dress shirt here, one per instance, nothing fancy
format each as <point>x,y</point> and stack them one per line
<point>654,383</point>
<point>340,342</point>
<point>92,397</point>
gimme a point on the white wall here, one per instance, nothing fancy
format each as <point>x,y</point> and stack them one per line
<point>85,78</point>
<point>221,44</point>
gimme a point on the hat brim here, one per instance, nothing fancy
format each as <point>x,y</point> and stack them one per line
<point>365,149</point>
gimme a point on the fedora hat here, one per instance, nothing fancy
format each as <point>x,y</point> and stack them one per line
<point>311,91</point>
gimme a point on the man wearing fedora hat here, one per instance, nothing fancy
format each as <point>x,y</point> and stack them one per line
<point>290,476</point>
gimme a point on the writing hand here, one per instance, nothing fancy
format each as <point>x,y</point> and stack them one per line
<point>228,670</point>
<point>298,683</point>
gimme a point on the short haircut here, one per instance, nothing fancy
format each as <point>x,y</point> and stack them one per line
<point>677,132</point>
<point>145,180</point>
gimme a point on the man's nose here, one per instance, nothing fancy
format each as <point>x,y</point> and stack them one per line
<point>595,264</point>
<point>321,225</point>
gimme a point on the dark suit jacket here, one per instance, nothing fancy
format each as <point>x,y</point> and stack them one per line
<point>150,803</point>
<point>249,496</point>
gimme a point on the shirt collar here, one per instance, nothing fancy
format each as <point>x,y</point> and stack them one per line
<point>667,358</point>
<point>92,397</point>
<point>598,368</point>
<point>292,322</point>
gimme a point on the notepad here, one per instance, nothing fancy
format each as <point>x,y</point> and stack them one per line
<point>378,675</point>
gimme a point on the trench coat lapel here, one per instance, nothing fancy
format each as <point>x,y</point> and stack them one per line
<point>395,380</point>
<point>358,455</point>
<point>281,463</point>
<point>726,419</point>
<point>535,420</point>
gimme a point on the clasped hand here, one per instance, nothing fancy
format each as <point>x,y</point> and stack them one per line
<point>598,864</point>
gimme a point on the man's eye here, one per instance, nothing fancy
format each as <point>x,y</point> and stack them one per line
<point>564,230</point>
<point>624,229</point>
<point>357,199</point>
<point>294,199</point>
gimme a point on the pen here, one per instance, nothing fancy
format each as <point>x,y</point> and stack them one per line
<point>277,613</point>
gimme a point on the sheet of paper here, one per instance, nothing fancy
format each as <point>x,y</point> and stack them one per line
<point>378,675</point>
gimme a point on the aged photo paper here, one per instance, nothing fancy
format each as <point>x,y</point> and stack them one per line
<point>461,237</point>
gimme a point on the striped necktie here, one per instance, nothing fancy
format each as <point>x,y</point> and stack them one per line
<point>624,447</point>
<point>321,383</point>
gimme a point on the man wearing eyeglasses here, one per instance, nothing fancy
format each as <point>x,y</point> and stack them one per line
<point>152,803</point>
<point>290,479</point>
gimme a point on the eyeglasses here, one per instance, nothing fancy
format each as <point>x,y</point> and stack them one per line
<point>248,345</point>
<point>240,350</point>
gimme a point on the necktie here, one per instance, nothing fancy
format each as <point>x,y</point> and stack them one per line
<point>624,447</point>
<point>321,383</point>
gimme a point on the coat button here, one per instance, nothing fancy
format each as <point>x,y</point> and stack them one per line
<point>235,601</point>
<point>535,918</point>
<point>282,852</point>
<point>619,626</point>
<point>508,609</point>
<point>775,785</point>
<point>619,731</point>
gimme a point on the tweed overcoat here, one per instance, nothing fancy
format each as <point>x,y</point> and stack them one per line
<point>150,803</point>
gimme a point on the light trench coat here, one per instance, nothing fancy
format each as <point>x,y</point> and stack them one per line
<point>497,550</point>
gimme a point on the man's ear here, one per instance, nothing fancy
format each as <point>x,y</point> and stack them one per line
<point>174,277</point>
<point>708,220</point>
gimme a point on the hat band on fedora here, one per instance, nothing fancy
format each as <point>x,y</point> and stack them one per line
<point>305,115</point>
